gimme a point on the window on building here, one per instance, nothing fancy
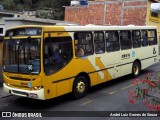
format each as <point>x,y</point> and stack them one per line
<point>144,37</point>
<point>152,37</point>
<point>83,44</point>
<point>112,41</point>
<point>154,14</point>
<point>136,38</point>
<point>1,30</point>
<point>99,42</point>
<point>125,40</point>
<point>154,10</point>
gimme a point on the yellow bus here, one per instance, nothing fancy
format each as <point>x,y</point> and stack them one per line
<point>43,62</point>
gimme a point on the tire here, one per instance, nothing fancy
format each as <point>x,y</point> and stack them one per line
<point>80,87</point>
<point>136,68</point>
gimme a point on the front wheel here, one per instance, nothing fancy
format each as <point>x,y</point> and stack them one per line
<point>80,87</point>
<point>136,68</point>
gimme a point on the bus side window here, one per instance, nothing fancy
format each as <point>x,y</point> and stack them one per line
<point>83,44</point>
<point>57,53</point>
<point>152,37</point>
<point>99,42</point>
<point>136,38</point>
<point>125,40</point>
<point>112,41</point>
<point>144,38</point>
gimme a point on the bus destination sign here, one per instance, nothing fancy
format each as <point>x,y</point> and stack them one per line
<point>24,32</point>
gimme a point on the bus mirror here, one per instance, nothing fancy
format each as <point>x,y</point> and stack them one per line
<point>76,41</point>
<point>49,35</point>
<point>10,37</point>
<point>29,37</point>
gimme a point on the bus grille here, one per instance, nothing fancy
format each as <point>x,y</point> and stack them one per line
<point>25,79</point>
<point>19,92</point>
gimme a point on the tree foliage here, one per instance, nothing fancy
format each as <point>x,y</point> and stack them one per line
<point>33,5</point>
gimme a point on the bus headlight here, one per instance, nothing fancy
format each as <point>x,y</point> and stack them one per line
<point>7,84</point>
<point>37,88</point>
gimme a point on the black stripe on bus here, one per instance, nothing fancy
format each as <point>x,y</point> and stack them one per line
<point>75,76</point>
<point>140,60</point>
<point>124,64</point>
<point>148,58</point>
<point>102,69</point>
<point>63,79</point>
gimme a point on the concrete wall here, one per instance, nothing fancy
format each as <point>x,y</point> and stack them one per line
<point>3,15</point>
<point>109,12</point>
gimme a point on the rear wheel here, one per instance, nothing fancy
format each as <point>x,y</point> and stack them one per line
<point>80,87</point>
<point>136,68</point>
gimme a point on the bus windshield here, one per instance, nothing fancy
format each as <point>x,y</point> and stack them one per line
<point>22,56</point>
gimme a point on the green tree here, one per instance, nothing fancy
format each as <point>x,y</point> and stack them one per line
<point>8,4</point>
<point>20,5</point>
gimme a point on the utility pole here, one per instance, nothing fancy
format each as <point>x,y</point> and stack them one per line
<point>104,13</point>
<point>122,12</point>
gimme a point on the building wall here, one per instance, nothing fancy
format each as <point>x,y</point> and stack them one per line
<point>134,12</point>
<point>3,15</point>
<point>108,13</point>
<point>10,24</point>
<point>92,14</point>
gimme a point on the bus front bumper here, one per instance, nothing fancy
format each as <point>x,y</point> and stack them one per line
<point>35,94</point>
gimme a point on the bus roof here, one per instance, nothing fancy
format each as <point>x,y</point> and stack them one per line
<point>88,27</point>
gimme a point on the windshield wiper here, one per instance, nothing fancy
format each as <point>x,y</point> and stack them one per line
<point>18,42</point>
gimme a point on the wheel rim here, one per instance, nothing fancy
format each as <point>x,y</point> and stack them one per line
<point>136,69</point>
<point>81,87</point>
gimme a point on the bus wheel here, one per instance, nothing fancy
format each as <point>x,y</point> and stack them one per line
<point>80,87</point>
<point>136,68</point>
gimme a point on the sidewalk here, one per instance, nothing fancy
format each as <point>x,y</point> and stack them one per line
<point>1,77</point>
<point>2,93</point>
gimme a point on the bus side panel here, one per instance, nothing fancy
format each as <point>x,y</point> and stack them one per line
<point>86,65</point>
<point>49,87</point>
<point>111,60</point>
<point>153,53</point>
<point>149,56</point>
<point>64,87</point>
<point>101,73</point>
<point>93,79</point>
<point>126,61</point>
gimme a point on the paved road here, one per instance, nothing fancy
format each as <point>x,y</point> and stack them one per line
<point>110,96</point>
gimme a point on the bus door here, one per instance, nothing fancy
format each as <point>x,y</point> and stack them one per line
<point>145,54</point>
<point>57,53</point>
<point>126,52</point>
<point>112,64</point>
<point>112,58</point>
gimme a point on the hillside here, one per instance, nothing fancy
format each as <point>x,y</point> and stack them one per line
<point>56,6</point>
